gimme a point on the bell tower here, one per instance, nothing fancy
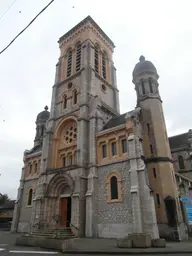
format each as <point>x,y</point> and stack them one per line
<point>157,150</point>
<point>84,97</point>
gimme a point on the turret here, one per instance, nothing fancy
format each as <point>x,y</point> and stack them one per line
<point>41,120</point>
<point>157,152</point>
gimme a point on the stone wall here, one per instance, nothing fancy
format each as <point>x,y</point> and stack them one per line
<point>25,210</point>
<point>114,219</point>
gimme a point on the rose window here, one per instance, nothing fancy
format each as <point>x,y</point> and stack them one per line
<point>70,133</point>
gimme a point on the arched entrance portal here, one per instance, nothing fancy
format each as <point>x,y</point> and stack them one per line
<point>59,193</point>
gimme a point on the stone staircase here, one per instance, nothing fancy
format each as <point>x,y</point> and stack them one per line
<point>61,233</point>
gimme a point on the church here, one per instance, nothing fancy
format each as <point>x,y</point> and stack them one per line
<point>94,170</point>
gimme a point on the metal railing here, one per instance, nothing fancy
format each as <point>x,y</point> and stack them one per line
<point>46,224</point>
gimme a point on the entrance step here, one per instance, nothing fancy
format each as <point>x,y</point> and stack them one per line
<point>54,233</point>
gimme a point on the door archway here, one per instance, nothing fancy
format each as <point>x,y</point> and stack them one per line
<point>59,193</point>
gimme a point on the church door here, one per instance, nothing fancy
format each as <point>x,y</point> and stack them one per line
<point>65,212</point>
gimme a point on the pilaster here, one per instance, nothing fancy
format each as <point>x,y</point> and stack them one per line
<point>143,208</point>
<point>92,181</point>
<point>135,193</point>
<point>18,204</point>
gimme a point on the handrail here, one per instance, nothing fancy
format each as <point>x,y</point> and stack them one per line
<point>38,223</point>
<point>73,225</point>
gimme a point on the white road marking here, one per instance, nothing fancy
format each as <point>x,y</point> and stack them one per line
<point>34,252</point>
<point>1,249</point>
<point>3,245</point>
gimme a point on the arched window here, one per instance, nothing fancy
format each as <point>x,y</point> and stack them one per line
<point>104,65</point>
<point>69,63</point>
<point>150,85</point>
<point>70,160</point>
<point>74,97</point>
<point>30,197</point>
<point>37,134</point>
<point>64,161</point>
<point>65,101</point>
<point>36,167</point>
<point>143,87</point>
<point>114,188</point>
<point>96,59</point>
<point>78,57</point>
<point>181,162</point>
<point>42,130</point>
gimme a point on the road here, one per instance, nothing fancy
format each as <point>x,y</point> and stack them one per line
<point>8,248</point>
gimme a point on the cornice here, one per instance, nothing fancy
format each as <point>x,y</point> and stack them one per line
<point>69,78</point>
<point>111,110</point>
<point>149,97</point>
<point>104,81</point>
<point>33,154</point>
<point>183,177</point>
<point>113,162</point>
<point>179,149</point>
<point>110,130</point>
<point>82,25</point>
<point>158,159</point>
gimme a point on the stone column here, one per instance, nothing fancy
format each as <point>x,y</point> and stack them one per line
<point>144,215</point>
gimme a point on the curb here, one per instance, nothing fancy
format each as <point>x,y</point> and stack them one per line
<point>127,252</point>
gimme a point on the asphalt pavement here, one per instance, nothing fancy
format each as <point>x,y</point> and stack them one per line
<point>8,248</point>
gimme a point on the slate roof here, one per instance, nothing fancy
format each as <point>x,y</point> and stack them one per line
<point>115,121</point>
<point>175,142</point>
<point>178,141</point>
<point>35,149</point>
<point>8,205</point>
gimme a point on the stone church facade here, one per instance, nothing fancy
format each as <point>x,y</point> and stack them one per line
<point>99,172</point>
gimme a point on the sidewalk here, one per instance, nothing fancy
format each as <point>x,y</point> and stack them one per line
<point>100,246</point>
<point>108,246</point>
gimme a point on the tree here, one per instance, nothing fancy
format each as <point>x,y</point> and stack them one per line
<point>4,198</point>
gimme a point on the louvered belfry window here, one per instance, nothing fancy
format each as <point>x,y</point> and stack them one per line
<point>69,63</point>
<point>104,65</point>
<point>78,57</point>
<point>96,59</point>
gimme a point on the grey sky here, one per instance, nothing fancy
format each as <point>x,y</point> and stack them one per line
<point>160,30</point>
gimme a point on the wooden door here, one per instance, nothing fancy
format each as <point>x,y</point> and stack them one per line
<point>63,212</point>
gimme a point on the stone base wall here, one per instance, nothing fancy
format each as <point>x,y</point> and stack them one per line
<point>23,227</point>
<point>113,230</point>
<point>169,232</point>
<point>183,231</point>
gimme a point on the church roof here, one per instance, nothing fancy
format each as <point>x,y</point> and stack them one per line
<point>178,141</point>
<point>115,121</point>
<point>175,142</point>
<point>35,149</point>
<point>80,24</point>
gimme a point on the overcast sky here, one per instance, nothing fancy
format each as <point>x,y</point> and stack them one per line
<point>160,30</point>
